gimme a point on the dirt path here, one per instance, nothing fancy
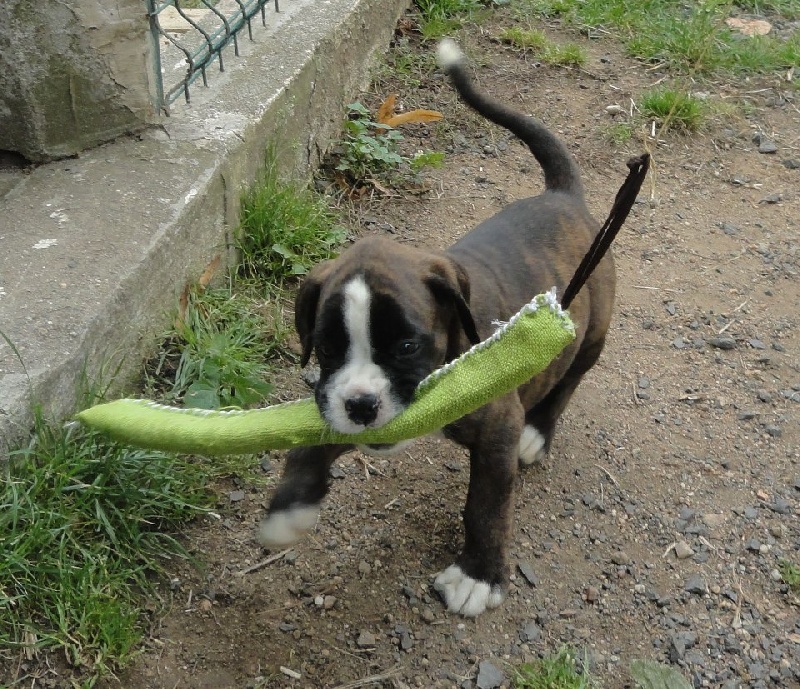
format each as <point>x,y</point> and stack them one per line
<point>656,528</point>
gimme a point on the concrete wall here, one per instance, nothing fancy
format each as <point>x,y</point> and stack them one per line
<point>72,74</point>
<point>97,249</point>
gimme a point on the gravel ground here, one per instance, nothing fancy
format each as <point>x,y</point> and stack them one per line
<point>658,524</point>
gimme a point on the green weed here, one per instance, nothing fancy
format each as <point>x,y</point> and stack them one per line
<point>558,671</point>
<point>673,108</point>
<point>83,524</point>
<point>218,354</point>
<point>370,152</point>
<point>369,149</point>
<point>284,228</point>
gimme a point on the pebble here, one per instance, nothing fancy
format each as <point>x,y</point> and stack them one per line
<point>722,342</point>
<point>767,146</point>
<point>236,495</point>
<point>530,632</point>
<point>526,569</point>
<point>696,584</point>
<point>489,676</point>
<point>683,550</point>
<point>366,639</point>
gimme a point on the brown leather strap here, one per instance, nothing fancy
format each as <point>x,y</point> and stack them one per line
<point>619,212</point>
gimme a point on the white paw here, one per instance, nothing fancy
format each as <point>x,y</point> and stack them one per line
<point>531,445</point>
<point>287,526</point>
<point>465,595</point>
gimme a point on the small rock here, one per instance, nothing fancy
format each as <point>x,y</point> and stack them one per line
<point>722,342</point>
<point>526,570</point>
<point>427,615</point>
<point>772,198</point>
<point>337,472</point>
<point>767,146</point>
<point>592,594</point>
<point>620,558</point>
<point>755,343</point>
<point>729,229</point>
<point>530,632</point>
<point>453,466</point>
<point>236,495</point>
<point>644,382</point>
<point>364,567</point>
<point>773,431</point>
<point>683,550</point>
<point>781,506</point>
<point>366,639</point>
<point>615,109</point>
<point>568,613</point>
<point>791,164</point>
<point>489,676</point>
<point>764,396</point>
<point>266,465</point>
<point>329,602</point>
<point>696,584</point>
<point>753,545</point>
<point>406,642</point>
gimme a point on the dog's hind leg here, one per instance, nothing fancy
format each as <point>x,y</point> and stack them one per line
<point>540,422</point>
<point>295,506</point>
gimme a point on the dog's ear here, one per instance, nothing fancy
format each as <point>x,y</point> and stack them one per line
<point>305,308</point>
<point>449,283</point>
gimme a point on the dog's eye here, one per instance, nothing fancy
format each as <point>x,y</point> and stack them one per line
<point>406,348</point>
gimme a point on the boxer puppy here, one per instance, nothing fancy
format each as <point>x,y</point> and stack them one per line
<point>383,315</point>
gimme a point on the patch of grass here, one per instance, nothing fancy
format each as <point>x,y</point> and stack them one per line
<point>408,65</point>
<point>619,132</point>
<point>218,354</point>
<point>690,37</point>
<point>558,671</point>
<point>84,523</point>
<point>649,674</point>
<point>284,228</point>
<point>790,572</point>
<point>673,108</point>
<point>549,52</point>
<point>785,8</point>
<point>441,17</point>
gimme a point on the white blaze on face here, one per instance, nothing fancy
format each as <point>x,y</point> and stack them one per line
<point>360,375</point>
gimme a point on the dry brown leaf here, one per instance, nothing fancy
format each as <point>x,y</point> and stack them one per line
<point>749,27</point>
<point>414,116</point>
<point>386,111</point>
<point>209,272</point>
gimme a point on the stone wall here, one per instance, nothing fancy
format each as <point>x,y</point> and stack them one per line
<point>73,74</point>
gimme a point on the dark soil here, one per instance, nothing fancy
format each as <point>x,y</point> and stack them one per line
<point>657,527</point>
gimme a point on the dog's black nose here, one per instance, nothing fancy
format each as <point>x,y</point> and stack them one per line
<point>362,409</point>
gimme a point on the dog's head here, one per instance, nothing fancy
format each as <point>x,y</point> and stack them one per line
<point>380,318</point>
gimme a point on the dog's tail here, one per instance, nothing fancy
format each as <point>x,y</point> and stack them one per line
<point>561,172</point>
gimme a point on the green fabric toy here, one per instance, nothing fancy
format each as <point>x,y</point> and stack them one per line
<point>514,354</point>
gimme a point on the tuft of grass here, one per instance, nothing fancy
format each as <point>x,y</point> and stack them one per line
<point>558,671</point>
<point>218,354</point>
<point>441,17</point>
<point>284,228</point>
<point>534,40</point>
<point>673,108</point>
<point>689,38</point>
<point>790,573</point>
<point>84,523</point>
<point>368,149</point>
<point>619,132</point>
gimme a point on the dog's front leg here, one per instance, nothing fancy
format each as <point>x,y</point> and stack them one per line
<point>294,508</point>
<point>479,577</point>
